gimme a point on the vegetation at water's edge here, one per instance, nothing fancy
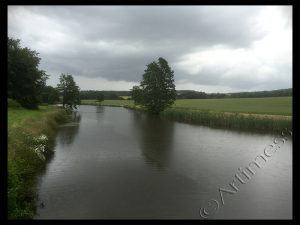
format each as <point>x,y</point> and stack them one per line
<point>243,121</point>
<point>268,114</point>
<point>30,144</point>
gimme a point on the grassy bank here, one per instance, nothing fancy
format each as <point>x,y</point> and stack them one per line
<point>265,114</point>
<point>258,122</point>
<point>30,144</point>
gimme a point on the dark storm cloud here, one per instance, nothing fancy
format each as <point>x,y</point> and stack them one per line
<point>117,42</point>
<point>151,24</point>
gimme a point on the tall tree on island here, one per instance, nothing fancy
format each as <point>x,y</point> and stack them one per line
<point>69,91</point>
<point>157,89</point>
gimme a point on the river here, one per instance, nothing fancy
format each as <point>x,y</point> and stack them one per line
<point>117,163</point>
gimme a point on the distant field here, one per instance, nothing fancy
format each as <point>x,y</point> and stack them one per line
<point>268,106</point>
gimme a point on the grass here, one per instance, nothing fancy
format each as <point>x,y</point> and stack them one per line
<point>267,114</point>
<point>269,106</point>
<point>30,144</point>
<point>16,116</point>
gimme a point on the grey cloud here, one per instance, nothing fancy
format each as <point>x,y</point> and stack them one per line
<point>117,42</point>
<point>243,81</point>
<point>203,25</point>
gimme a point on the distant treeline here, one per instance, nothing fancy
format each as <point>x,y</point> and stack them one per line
<point>108,95</point>
<point>190,94</point>
<point>255,94</point>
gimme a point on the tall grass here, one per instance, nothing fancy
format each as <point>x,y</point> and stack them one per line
<point>30,145</point>
<point>229,120</point>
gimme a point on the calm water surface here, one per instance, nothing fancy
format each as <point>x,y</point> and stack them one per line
<point>115,163</point>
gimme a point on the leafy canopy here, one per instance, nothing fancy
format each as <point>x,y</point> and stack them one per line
<point>157,89</point>
<point>69,91</point>
<point>25,80</point>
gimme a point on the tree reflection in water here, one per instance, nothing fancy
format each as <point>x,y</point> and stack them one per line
<point>67,132</point>
<point>156,139</point>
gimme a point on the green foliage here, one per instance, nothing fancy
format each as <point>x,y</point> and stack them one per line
<point>50,95</point>
<point>25,80</point>
<point>25,129</point>
<point>100,97</point>
<point>118,103</point>
<point>136,94</point>
<point>108,95</point>
<point>189,94</point>
<point>12,103</point>
<point>157,87</point>
<point>69,90</point>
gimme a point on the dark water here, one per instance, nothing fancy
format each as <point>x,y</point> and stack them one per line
<point>118,164</point>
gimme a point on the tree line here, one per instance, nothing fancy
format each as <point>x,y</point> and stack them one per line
<point>188,94</point>
<point>27,83</point>
<point>107,95</point>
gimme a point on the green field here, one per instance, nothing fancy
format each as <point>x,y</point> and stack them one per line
<point>267,106</point>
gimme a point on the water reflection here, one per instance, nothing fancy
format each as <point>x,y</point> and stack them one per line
<point>69,131</point>
<point>156,139</point>
<point>100,109</point>
<point>127,165</point>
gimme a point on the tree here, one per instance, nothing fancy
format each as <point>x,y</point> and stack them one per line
<point>69,90</point>
<point>100,97</point>
<point>157,87</point>
<point>25,80</point>
<point>50,95</point>
<point>136,94</point>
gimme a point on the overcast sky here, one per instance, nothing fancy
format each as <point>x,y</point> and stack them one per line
<point>210,48</point>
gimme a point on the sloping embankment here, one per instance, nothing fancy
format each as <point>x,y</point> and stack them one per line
<point>30,143</point>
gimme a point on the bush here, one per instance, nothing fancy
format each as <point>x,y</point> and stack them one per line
<point>12,103</point>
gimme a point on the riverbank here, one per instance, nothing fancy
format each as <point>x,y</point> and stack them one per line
<point>30,143</point>
<point>261,114</point>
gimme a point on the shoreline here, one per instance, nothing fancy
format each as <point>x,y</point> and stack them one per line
<point>226,120</point>
<point>31,135</point>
